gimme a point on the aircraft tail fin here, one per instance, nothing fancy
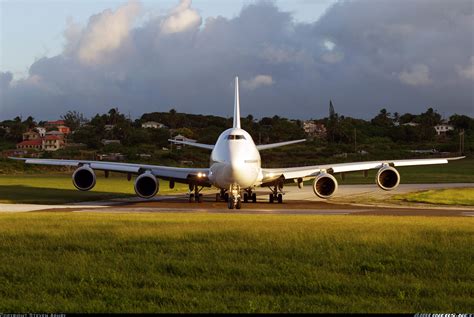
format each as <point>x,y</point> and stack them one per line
<point>236,105</point>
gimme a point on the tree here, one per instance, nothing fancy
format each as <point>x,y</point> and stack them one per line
<point>73,119</point>
<point>461,122</point>
<point>382,119</point>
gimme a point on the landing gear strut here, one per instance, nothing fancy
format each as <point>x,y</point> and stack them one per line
<point>234,200</point>
<point>277,193</point>
<point>250,196</point>
<point>196,196</point>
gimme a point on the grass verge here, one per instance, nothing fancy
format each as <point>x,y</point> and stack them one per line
<point>58,189</point>
<point>453,196</point>
<point>234,263</point>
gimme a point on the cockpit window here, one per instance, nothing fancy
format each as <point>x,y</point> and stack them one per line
<point>235,137</point>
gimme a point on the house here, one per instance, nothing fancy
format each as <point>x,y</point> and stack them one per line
<point>31,135</point>
<point>109,127</point>
<point>411,124</point>
<point>314,129</point>
<point>64,129</point>
<point>110,157</point>
<point>52,143</point>
<point>153,125</point>
<point>35,144</point>
<point>180,137</point>
<point>7,129</point>
<point>443,128</point>
<point>41,131</point>
<point>54,124</point>
<point>55,133</point>
<point>32,140</point>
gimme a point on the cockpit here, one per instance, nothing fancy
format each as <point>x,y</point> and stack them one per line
<point>235,137</point>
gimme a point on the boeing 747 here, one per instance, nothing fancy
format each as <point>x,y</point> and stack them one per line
<point>235,169</point>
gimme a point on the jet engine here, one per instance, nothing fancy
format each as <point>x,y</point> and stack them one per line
<point>146,185</point>
<point>325,185</point>
<point>84,178</point>
<point>387,178</point>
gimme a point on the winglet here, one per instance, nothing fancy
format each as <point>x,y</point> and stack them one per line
<point>236,105</point>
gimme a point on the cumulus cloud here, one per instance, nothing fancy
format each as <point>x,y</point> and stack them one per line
<point>104,33</point>
<point>419,75</point>
<point>361,54</point>
<point>468,71</point>
<point>257,81</point>
<point>182,18</point>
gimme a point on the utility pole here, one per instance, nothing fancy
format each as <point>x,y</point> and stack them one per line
<point>355,140</point>
<point>461,142</point>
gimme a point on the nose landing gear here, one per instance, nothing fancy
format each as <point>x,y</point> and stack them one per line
<point>234,200</point>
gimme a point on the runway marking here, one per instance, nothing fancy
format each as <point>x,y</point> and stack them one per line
<point>468,214</point>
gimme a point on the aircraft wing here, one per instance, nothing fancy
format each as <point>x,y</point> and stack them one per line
<point>308,172</point>
<point>178,174</point>
<point>200,145</point>
<point>274,145</point>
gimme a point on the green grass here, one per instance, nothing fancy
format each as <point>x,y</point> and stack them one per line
<point>234,263</point>
<point>58,189</point>
<point>454,196</point>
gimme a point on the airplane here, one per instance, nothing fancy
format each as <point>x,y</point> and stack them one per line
<point>235,169</point>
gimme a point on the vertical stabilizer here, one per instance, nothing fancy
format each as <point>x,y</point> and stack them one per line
<point>236,105</point>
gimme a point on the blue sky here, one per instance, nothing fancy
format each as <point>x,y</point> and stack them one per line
<point>33,29</point>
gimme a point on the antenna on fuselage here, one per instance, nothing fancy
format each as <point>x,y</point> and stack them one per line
<point>236,105</point>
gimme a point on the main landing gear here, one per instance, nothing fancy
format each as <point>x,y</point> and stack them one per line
<point>196,196</point>
<point>277,193</point>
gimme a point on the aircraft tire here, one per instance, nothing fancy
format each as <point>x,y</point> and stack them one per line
<point>280,198</point>
<point>254,198</point>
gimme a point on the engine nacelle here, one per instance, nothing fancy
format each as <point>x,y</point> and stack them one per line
<point>84,178</point>
<point>146,185</point>
<point>324,185</point>
<point>387,178</point>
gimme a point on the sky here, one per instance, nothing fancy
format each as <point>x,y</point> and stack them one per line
<point>292,56</point>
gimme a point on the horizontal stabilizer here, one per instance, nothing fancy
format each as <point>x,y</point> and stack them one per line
<point>274,145</point>
<point>200,145</point>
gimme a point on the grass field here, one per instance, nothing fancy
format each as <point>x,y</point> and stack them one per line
<point>454,196</point>
<point>58,189</point>
<point>234,263</point>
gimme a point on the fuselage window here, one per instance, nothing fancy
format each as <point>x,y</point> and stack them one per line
<point>235,137</point>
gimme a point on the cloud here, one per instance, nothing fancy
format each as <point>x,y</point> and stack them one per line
<point>257,81</point>
<point>104,33</point>
<point>468,71</point>
<point>418,76</point>
<point>182,18</point>
<point>360,54</point>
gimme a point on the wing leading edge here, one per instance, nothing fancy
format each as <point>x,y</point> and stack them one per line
<point>179,174</point>
<point>308,172</point>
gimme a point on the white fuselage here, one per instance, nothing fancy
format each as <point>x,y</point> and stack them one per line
<point>235,160</point>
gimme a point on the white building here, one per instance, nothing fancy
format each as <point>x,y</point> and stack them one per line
<point>153,125</point>
<point>41,131</point>
<point>443,128</point>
